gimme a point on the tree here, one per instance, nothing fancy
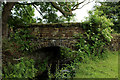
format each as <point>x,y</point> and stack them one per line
<point>48,13</point>
<point>65,8</point>
<point>21,14</point>
<point>112,11</point>
<point>5,15</point>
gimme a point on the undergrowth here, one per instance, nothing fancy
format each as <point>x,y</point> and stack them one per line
<point>90,51</point>
<point>102,68</point>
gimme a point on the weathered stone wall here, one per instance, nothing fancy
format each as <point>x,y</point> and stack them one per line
<point>55,34</point>
<point>115,43</point>
<point>61,34</point>
<point>63,30</point>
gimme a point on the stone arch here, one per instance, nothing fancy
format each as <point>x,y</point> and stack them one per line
<point>69,43</point>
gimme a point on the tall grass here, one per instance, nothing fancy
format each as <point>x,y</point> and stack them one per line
<point>99,67</point>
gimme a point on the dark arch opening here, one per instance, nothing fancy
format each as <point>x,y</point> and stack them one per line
<point>53,54</point>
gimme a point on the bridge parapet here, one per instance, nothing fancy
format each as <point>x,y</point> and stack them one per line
<point>55,34</point>
<point>60,30</point>
<point>61,34</point>
<point>66,32</point>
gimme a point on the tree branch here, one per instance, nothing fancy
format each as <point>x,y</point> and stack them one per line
<point>76,6</point>
<point>38,10</point>
<point>61,10</point>
<point>55,5</point>
<point>86,4</point>
<point>82,6</point>
<point>27,3</point>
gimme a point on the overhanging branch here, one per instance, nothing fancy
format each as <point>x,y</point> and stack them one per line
<point>55,5</point>
<point>27,3</point>
<point>86,4</point>
<point>61,10</point>
<point>38,10</point>
<point>76,6</point>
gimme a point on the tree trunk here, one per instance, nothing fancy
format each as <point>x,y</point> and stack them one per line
<point>5,15</point>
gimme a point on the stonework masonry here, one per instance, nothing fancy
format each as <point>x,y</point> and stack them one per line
<point>61,34</point>
<point>55,34</point>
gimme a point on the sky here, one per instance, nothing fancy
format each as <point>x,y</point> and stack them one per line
<point>80,13</point>
<point>83,12</point>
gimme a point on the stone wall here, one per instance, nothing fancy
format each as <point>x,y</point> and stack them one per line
<point>55,30</point>
<point>55,34</point>
<point>115,43</point>
<point>61,34</point>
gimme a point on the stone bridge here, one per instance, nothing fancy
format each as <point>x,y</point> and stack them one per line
<point>61,34</point>
<point>55,34</point>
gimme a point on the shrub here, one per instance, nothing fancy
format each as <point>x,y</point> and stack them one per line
<point>22,38</point>
<point>67,53</point>
<point>63,73</point>
<point>42,65</point>
<point>9,52</point>
<point>97,35</point>
<point>24,69</point>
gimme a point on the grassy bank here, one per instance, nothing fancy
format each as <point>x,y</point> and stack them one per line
<point>106,67</point>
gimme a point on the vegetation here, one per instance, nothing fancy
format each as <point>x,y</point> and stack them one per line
<point>24,69</point>
<point>99,67</point>
<point>90,44</point>
<point>19,58</point>
<point>97,34</point>
<point>111,10</point>
<point>22,38</point>
<point>20,15</point>
<point>24,11</point>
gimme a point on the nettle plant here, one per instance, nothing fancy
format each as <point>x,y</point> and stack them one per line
<point>97,35</point>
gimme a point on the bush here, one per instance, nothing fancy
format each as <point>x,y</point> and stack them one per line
<point>41,65</point>
<point>67,53</point>
<point>22,38</point>
<point>97,35</point>
<point>24,69</point>
<point>63,73</point>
